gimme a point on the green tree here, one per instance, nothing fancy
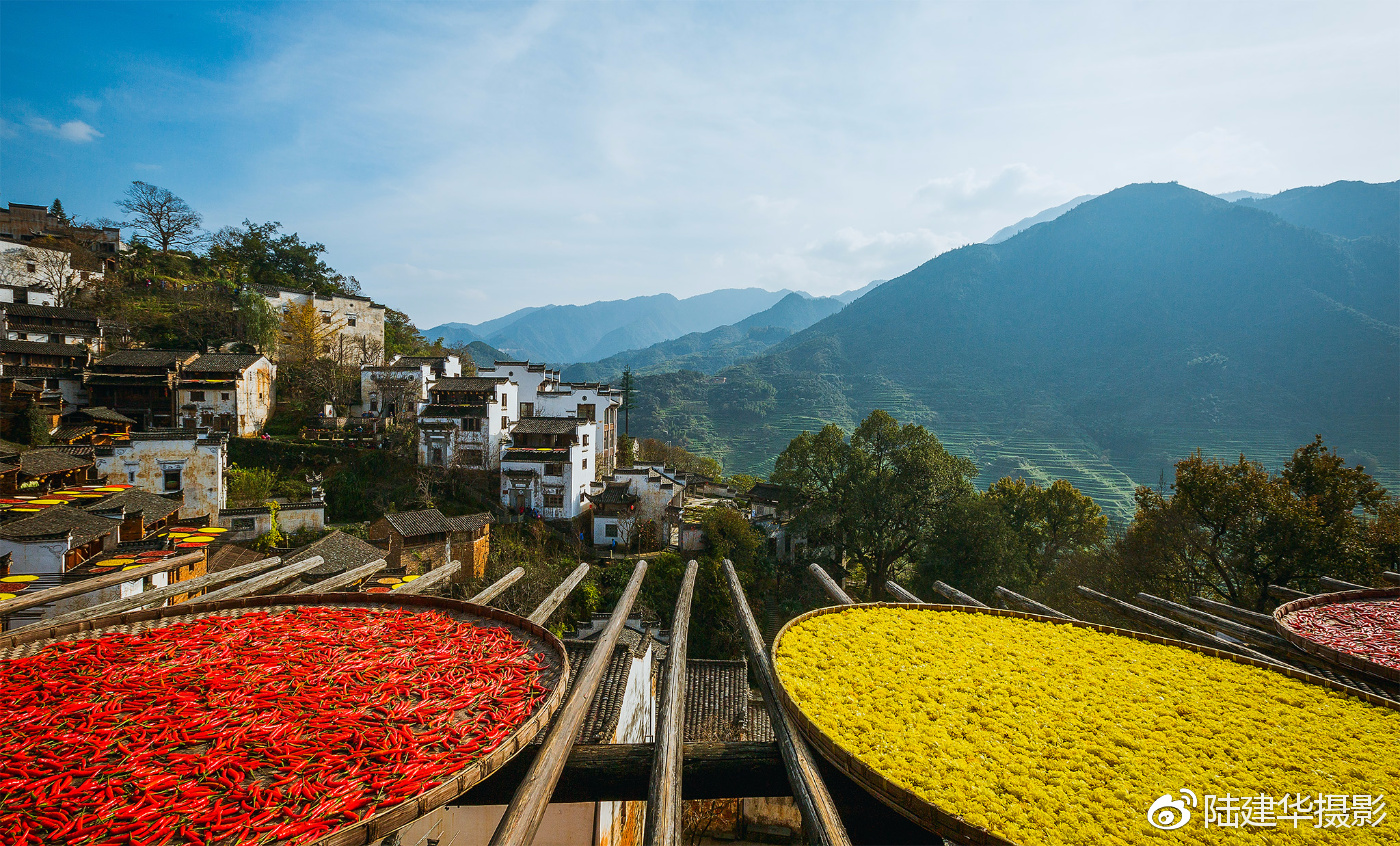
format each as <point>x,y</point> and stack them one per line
<point>626,407</point>
<point>261,254</point>
<point>874,499</point>
<point>56,211</point>
<point>743,482</point>
<point>973,547</point>
<point>401,337</point>
<point>1050,522</point>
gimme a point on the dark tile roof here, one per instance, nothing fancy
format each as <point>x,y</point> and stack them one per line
<point>453,411</point>
<point>72,432</point>
<point>470,383</point>
<point>421,359</point>
<point>614,493</point>
<point>222,363</point>
<point>603,712</point>
<point>470,522</point>
<point>106,415</point>
<point>147,358</point>
<point>45,460</point>
<point>414,523</point>
<point>759,727</point>
<point>229,555</point>
<point>341,551</point>
<point>765,492</point>
<point>11,448</point>
<point>59,520</point>
<point>8,468</point>
<point>41,348</point>
<point>547,425</point>
<point>716,700</point>
<point>29,310</point>
<point>274,290</point>
<point>151,507</point>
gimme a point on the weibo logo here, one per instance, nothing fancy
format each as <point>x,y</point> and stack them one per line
<point>1170,814</point>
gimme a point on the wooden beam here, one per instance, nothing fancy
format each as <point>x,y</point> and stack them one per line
<point>958,597</point>
<point>1264,640</point>
<point>1337,584</point>
<point>157,596</point>
<point>349,577</point>
<point>436,578</point>
<point>1230,612</point>
<point>1029,605</point>
<point>1284,594</point>
<point>829,585</point>
<point>901,594</point>
<point>557,596</point>
<point>78,588</point>
<point>1172,627</point>
<point>820,820</point>
<point>1391,576</point>
<point>266,581</point>
<point>498,587</point>
<point>663,813</point>
<point>526,809</point>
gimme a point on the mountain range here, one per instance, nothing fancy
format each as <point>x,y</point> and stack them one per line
<point>1100,346</point>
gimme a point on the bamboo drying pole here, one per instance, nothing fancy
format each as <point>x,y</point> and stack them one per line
<point>43,597</point>
<point>558,595</point>
<point>1391,576</point>
<point>829,585</point>
<point>663,813</point>
<point>1337,584</point>
<point>1179,630</point>
<point>159,595</point>
<point>958,597</point>
<point>498,587</point>
<point>526,809</point>
<point>1239,615</point>
<point>1030,605</point>
<point>820,821</point>
<point>1284,594</point>
<point>431,580</point>
<point>349,577</point>
<point>901,594</point>
<point>267,580</point>
<point>1239,631</point>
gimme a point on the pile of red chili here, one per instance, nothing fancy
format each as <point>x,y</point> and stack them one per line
<point>266,727</point>
<point>1369,630</point>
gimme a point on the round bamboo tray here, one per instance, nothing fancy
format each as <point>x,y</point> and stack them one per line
<point>389,819</point>
<point>1343,660</point>
<point>929,815</point>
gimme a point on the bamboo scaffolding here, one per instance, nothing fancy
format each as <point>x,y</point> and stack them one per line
<point>157,596</point>
<point>349,577</point>
<point>558,595</point>
<point>273,579</point>
<point>829,584</point>
<point>437,577</point>
<point>663,813</point>
<point>53,594</point>
<point>1179,630</point>
<point>901,594</point>
<point>958,597</point>
<point>498,587</point>
<point>820,820</point>
<point>526,809</point>
<point>1029,605</point>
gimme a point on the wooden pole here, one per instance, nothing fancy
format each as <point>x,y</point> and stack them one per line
<point>894,589</point>
<point>526,809</point>
<point>1337,584</point>
<point>265,581</point>
<point>349,577</point>
<point>498,587</point>
<point>558,595</point>
<point>820,821</point>
<point>159,595</point>
<point>1239,615</point>
<point>437,577</point>
<point>53,594</point>
<point>1029,605</point>
<point>829,585</point>
<point>663,814</point>
<point>1179,630</point>
<point>1248,634</point>
<point>1284,594</point>
<point>958,597</point>
<point>1391,576</point>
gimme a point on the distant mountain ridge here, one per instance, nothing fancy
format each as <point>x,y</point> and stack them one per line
<point>1344,209</point>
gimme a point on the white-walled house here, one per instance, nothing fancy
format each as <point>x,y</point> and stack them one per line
<point>543,395</point>
<point>227,393</point>
<point>400,389</point>
<point>360,319</point>
<point>547,466</point>
<point>26,294</point>
<point>633,497</point>
<point>169,462</point>
<point>466,422</point>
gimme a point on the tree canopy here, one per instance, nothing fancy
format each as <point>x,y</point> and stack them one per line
<point>261,254</point>
<point>164,219</point>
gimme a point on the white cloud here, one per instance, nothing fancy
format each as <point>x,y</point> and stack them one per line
<point>76,131</point>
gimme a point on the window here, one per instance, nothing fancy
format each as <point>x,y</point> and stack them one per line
<point>527,409</point>
<point>172,478</point>
<point>325,317</point>
<point>131,477</point>
<point>585,440</point>
<point>224,396</point>
<point>585,464</point>
<point>610,530</point>
<point>554,469</point>
<point>350,319</point>
<point>505,422</point>
<point>553,500</point>
<point>29,266</point>
<point>245,524</point>
<point>587,412</point>
<point>196,396</point>
<point>437,455</point>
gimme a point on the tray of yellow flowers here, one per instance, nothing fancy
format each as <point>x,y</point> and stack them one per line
<point>997,727</point>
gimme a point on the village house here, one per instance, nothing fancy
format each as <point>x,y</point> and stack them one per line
<point>359,320</point>
<point>545,466</point>
<point>55,368</point>
<point>398,390</point>
<point>252,522</point>
<point>420,541</point>
<point>142,384</point>
<point>26,294</point>
<point>24,223</point>
<point>33,322</point>
<point>541,394</point>
<point>634,497</point>
<point>92,425</point>
<point>139,514</point>
<point>174,461</point>
<point>35,265</point>
<point>58,539</point>
<point>38,471</point>
<point>466,422</point>
<point>227,393</point>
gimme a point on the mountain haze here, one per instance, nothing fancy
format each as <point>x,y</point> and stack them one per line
<point>1345,209</point>
<point>1099,347</point>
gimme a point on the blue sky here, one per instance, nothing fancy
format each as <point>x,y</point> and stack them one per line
<point>466,160</point>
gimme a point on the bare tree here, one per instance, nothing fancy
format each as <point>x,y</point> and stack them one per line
<point>164,218</point>
<point>52,269</point>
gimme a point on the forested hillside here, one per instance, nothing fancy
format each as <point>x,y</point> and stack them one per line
<point>1345,209</point>
<point>1099,348</point>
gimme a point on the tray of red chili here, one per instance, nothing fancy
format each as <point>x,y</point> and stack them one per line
<point>329,719</point>
<point>1354,629</point>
